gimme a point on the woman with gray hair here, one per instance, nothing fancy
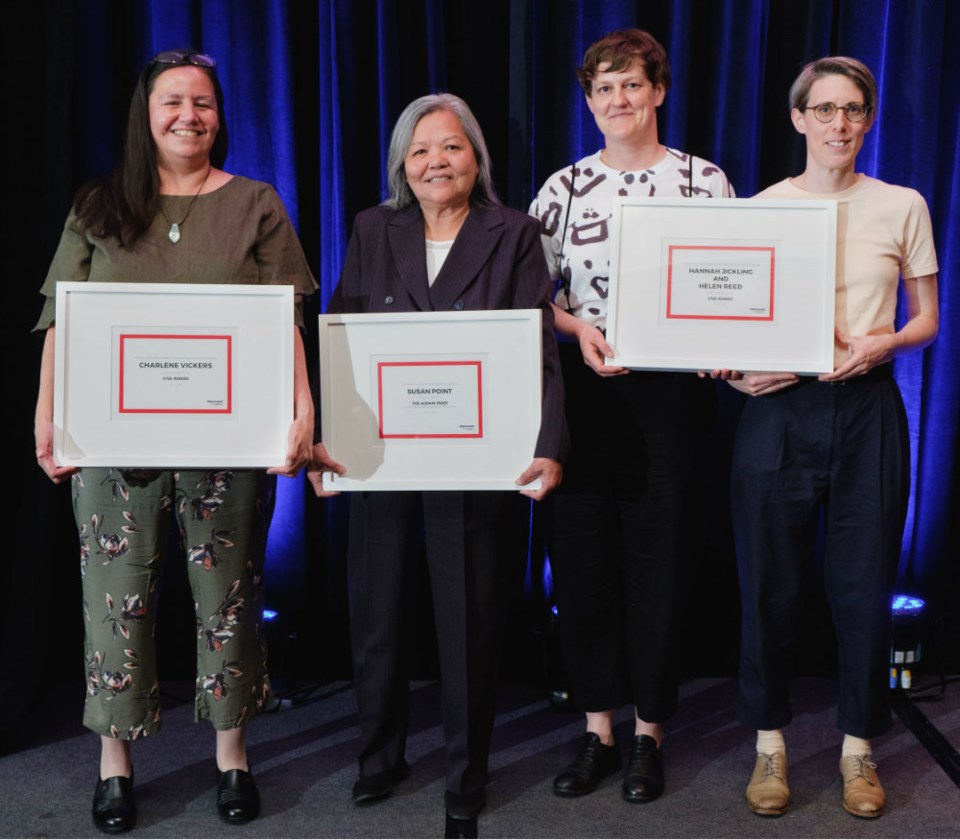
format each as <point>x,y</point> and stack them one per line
<point>441,241</point>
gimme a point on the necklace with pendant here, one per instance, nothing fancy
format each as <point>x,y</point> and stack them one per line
<point>174,233</point>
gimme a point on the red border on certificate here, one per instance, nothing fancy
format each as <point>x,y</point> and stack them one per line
<point>671,314</point>
<point>474,363</point>
<point>134,336</point>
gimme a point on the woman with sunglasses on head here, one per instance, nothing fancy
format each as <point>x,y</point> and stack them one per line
<point>834,445</point>
<point>170,214</point>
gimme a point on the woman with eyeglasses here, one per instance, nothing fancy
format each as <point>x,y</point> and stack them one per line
<point>169,213</point>
<point>833,446</point>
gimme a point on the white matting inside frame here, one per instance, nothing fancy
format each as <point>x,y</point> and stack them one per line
<point>173,375</point>
<point>744,284</point>
<point>431,400</point>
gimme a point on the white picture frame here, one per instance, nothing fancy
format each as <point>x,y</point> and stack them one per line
<point>173,374</point>
<point>431,400</point>
<point>744,284</point>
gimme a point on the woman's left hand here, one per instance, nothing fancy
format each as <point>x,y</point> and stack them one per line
<point>300,447</point>
<point>321,463</point>
<point>866,353</point>
<point>550,473</point>
<point>753,383</point>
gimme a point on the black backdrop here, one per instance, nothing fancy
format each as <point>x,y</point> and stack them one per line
<point>312,90</point>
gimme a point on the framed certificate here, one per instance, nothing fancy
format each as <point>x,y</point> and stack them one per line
<point>430,400</point>
<point>173,375</point>
<point>745,284</point>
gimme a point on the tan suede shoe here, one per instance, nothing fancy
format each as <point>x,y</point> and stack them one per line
<point>863,795</point>
<point>768,793</point>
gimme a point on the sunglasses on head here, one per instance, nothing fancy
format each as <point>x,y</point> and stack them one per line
<point>175,57</point>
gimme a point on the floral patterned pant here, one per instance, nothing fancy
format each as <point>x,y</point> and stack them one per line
<point>124,521</point>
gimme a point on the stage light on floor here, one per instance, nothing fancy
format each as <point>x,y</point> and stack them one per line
<point>907,605</point>
<point>270,615</point>
<point>907,646</point>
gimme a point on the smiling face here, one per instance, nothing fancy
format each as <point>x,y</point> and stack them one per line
<point>624,105</point>
<point>832,146</point>
<point>440,165</point>
<point>183,116</point>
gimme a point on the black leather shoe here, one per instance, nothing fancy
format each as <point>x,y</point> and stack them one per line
<point>238,800</point>
<point>594,762</point>
<point>643,781</point>
<point>456,829</point>
<point>465,806</point>
<point>379,785</point>
<point>114,808</point>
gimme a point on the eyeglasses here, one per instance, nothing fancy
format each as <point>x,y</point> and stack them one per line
<point>174,57</point>
<point>826,111</point>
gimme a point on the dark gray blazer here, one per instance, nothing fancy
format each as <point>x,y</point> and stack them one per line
<point>496,262</point>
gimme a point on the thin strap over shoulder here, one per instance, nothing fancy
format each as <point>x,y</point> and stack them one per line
<point>565,280</point>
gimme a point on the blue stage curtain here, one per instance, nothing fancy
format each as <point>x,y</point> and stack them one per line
<point>312,91</point>
<point>733,62</point>
<point>914,142</point>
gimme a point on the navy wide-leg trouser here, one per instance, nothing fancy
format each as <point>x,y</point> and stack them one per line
<point>841,448</point>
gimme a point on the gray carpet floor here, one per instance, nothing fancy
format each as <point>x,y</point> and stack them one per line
<point>304,761</point>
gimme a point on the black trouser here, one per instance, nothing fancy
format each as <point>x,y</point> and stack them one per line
<point>476,554</point>
<point>620,524</point>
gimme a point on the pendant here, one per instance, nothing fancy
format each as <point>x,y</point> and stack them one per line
<point>174,234</point>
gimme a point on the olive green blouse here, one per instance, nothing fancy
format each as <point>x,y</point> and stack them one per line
<point>239,233</point>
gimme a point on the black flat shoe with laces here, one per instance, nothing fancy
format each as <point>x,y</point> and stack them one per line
<point>593,763</point>
<point>643,781</point>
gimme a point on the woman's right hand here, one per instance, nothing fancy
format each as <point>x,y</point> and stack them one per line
<point>754,384</point>
<point>321,463</point>
<point>43,436</point>
<point>596,351</point>
<point>42,419</point>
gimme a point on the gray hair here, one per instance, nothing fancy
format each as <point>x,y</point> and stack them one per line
<point>400,194</point>
<point>835,65</point>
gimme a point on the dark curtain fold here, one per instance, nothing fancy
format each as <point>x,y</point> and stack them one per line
<point>312,91</point>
